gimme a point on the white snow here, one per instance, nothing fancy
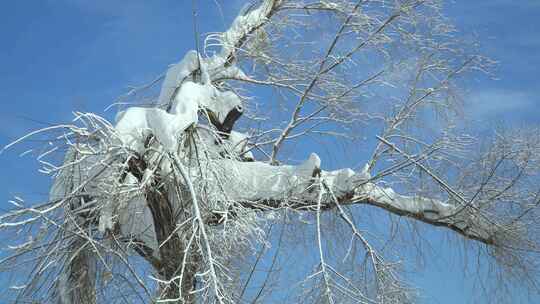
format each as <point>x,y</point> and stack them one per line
<point>412,204</point>
<point>176,75</point>
<point>190,96</point>
<point>253,181</point>
<point>218,71</point>
<point>339,181</point>
<point>239,144</point>
<point>224,103</point>
<point>258,180</point>
<point>89,171</point>
<point>136,123</point>
<point>205,96</point>
<point>106,217</point>
<point>242,25</point>
<point>132,214</point>
<point>136,221</point>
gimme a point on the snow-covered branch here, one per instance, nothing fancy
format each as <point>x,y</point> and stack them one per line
<point>261,185</point>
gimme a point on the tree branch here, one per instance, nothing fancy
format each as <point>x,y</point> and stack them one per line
<point>262,186</point>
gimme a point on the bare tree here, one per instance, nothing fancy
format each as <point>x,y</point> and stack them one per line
<point>172,203</point>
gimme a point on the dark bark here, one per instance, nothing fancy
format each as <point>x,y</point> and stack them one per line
<point>173,248</point>
<point>226,127</point>
<point>80,281</point>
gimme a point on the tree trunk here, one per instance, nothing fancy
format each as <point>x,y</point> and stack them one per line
<point>77,282</point>
<point>176,289</point>
<point>172,249</point>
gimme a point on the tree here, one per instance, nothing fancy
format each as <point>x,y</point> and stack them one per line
<point>171,202</point>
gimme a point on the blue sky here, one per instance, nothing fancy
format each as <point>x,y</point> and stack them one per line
<point>57,56</point>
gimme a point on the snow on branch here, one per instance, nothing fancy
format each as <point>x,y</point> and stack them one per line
<point>266,186</point>
<point>244,25</point>
<point>221,105</point>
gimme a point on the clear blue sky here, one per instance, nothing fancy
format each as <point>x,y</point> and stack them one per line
<point>57,56</point>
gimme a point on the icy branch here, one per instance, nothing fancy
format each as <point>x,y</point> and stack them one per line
<point>244,25</point>
<point>266,186</point>
<point>224,107</point>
